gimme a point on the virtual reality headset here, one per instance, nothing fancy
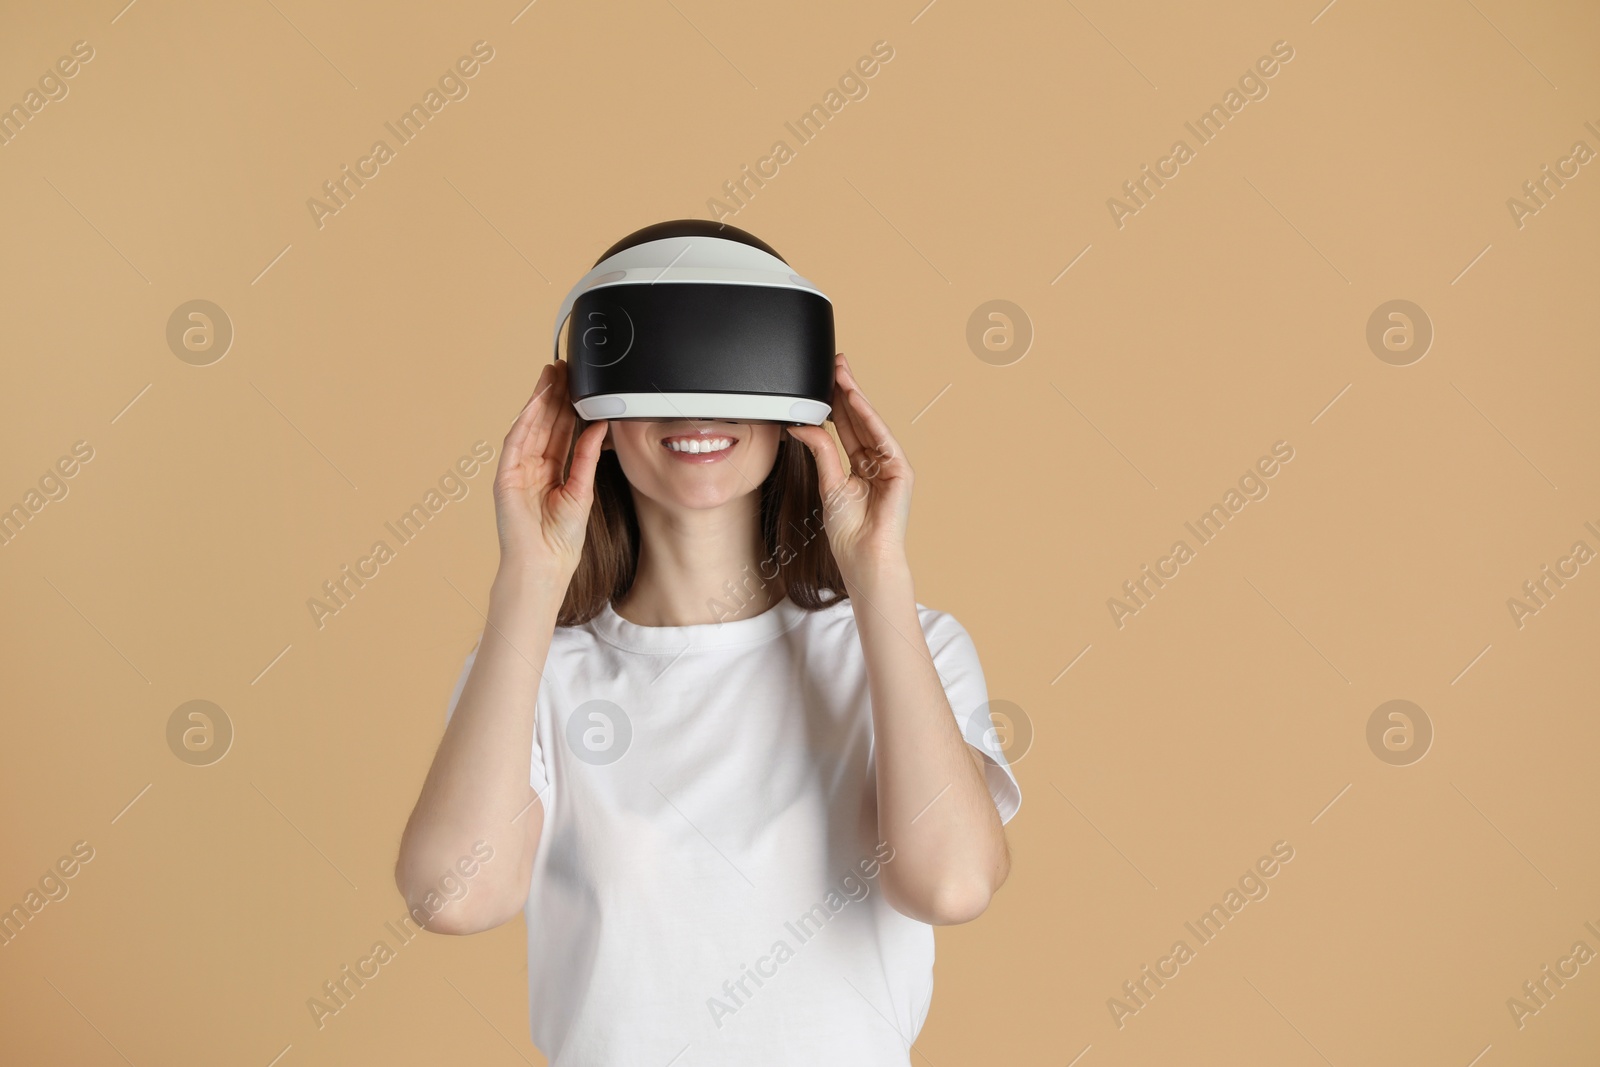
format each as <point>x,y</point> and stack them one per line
<point>695,320</point>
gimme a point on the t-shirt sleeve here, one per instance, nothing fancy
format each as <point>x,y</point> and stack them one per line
<point>955,657</point>
<point>537,778</point>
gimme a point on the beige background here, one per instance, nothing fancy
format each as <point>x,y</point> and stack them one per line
<point>1228,314</point>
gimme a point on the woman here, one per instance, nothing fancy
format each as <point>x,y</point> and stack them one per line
<point>722,760</point>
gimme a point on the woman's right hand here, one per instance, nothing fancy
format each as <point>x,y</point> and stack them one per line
<point>541,519</point>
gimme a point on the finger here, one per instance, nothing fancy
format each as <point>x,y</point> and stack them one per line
<point>580,480</point>
<point>547,406</point>
<point>841,414</point>
<point>511,447</point>
<point>849,385</point>
<point>864,458</point>
<point>847,373</point>
<point>886,455</point>
<point>830,471</point>
<point>555,452</point>
<point>842,364</point>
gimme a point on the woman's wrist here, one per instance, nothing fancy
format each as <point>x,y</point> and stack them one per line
<point>523,610</point>
<point>522,582</point>
<point>885,574</point>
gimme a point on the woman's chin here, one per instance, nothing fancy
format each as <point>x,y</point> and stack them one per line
<point>691,489</point>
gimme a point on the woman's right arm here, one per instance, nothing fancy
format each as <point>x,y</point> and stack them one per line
<point>477,788</point>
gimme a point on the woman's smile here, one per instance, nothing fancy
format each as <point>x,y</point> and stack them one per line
<point>704,446</point>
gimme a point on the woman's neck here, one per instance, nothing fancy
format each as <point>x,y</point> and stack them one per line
<point>700,566</point>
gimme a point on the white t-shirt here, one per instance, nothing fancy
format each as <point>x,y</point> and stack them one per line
<point>705,890</point>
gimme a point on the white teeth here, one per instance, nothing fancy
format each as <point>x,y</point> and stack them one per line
<point>700,444</point>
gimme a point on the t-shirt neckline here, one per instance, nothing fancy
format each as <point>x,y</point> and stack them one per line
<point>734,633</point>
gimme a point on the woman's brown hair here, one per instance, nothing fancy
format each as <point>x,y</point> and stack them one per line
<point>790,504</point>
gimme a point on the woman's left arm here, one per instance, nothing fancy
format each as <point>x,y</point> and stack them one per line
<point>934,806</point>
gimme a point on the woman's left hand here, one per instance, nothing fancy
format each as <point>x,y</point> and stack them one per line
<point>865,509</point>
